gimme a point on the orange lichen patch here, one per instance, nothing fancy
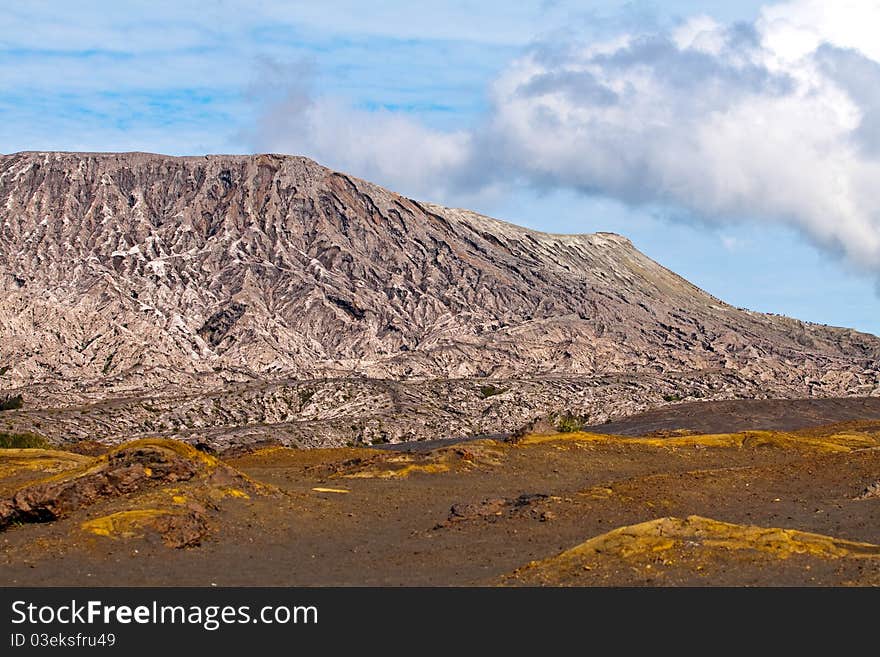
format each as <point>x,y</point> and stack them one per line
<point>693,540</point>
<point>833,442</point>
<point>125,524</point>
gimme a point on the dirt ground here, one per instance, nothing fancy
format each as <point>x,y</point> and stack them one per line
<point>745,415</point>
<point>672,508</point>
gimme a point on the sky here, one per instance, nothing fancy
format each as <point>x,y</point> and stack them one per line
<point>738,144</point>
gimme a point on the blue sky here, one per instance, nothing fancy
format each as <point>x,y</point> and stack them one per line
<point>732,142</point>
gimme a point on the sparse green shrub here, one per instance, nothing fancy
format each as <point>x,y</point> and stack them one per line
<point>305,396</point>
<point>489,390</point>
<point>671,398</point>
<point>569,422</point>
<point>11,403</point>
<point>22,440</point>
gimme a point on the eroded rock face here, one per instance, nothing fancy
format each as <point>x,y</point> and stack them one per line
<point>124,471</point>
<point>137,275</point>
<point>182,528</point>
<point>871,492</point>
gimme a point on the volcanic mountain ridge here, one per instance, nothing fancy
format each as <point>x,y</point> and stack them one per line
<point>231,297</point>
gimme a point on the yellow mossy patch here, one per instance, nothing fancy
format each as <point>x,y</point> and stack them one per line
<point>29,453</point>
<point>466,456</point>
<point>483,452</point>
<point>834,442</point>
<point>178,499</point>
<point>125,524</point>
<point>670,536</point>
<point>597,492</point>
<point>319,489</point>
<point>231,492</point>
<point>577,436</point>
<point>263,452</point>
<point>406,471</point>
<point>849,439</point>
<point>13,461</point>
<point>87,465</point>
<point>270,450</point>
<point>180,448</point>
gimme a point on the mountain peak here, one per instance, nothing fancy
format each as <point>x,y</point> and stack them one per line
<point>120,270</point>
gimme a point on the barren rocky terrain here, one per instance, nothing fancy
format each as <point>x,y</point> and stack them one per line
<point>485,404</point>
<point>676,507</point>
<point>237,299</point>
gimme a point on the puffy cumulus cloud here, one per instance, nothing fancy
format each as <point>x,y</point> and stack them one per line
<point>793,30</point>
<point>776,121</point>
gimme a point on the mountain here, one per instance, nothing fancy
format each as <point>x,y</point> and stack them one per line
<point>205,281</point>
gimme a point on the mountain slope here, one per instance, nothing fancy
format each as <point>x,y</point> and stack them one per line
<point>127,273</point>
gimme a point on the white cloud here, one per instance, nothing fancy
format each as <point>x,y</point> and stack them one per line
<point>728,122</point>
<point>773,121</point>
<point>700,33</point>
<point>378,146</point>
<point>792,30</point>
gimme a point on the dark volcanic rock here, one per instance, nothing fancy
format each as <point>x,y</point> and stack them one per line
<point>527,505</point>
<point>123,471</point>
